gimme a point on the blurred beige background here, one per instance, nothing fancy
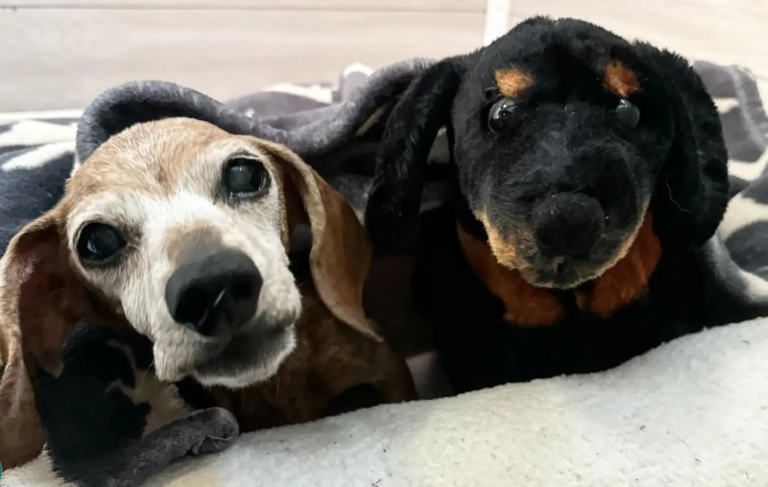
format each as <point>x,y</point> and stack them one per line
<point>59,54</point>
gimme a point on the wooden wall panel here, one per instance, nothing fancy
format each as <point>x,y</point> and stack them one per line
<point>345,5</point>
<point>52,59</point>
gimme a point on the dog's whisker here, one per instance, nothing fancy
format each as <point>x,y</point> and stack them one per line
<point>277,386</point>
<point>146,371</point>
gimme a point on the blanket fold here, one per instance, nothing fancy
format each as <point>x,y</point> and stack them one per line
<point>691,413</point>
<point>310,133</point>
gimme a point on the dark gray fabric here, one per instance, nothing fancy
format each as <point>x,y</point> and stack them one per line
<point>311,133</point>
<point>202,432</point>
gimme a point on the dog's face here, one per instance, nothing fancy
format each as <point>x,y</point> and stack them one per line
<point>564,137</point>
<point>180,230</point>
<point>561,153</point>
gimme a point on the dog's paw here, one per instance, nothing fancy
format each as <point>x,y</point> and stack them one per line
<point>218,429</point>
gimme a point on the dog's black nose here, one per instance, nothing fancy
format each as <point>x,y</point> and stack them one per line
<point>567,225</point>
<point>218,288</point>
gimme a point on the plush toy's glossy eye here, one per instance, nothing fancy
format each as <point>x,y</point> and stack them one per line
<point>500,116</point>
<point>628,113</point>
<point>245,176</point>
<point>98,243</point>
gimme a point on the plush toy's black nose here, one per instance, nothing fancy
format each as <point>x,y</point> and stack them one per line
<point>567,225</point>
<point>218,288</point>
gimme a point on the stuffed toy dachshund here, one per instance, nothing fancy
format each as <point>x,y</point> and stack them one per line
<point>174,237</point>
<point>589,175</point>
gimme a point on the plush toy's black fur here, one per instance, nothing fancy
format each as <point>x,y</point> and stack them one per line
<point>554,169</point>
<point>479,349</point>
<point>563,137</point>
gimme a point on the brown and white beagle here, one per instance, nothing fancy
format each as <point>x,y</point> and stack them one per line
<point>180,231</point>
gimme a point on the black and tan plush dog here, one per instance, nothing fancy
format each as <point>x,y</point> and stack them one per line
<point>590,172</point>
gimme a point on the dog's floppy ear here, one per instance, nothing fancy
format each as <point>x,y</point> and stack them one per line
<point>40,301</point>
<point>340,254</point>
<point>691,193</point>
<point>410,132</point>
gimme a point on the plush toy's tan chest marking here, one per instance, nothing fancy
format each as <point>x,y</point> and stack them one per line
<point>627,280</point>
<point>527,305</point>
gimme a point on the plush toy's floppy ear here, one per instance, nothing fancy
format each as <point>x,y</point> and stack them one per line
<point>340,254</point>
<point>40,301</point>
<point>411,129</point>
<point>692,190</point>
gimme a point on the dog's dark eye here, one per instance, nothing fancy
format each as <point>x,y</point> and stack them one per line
<point>628,113</point>
<point>98,243</point>
<point>500,116</point>
<point>245,176</point>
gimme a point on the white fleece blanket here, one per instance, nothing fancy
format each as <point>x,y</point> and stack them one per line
<point>691,413</point>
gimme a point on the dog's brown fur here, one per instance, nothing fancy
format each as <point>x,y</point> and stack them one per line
<point>329,359</point>
<point>26,350</point>
<point>43,296</point>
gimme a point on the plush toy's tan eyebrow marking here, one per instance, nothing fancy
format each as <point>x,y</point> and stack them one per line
<point>512,81</point>
<point>620,80</point>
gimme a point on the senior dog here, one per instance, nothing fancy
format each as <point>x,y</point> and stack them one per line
<point>172,242</point>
